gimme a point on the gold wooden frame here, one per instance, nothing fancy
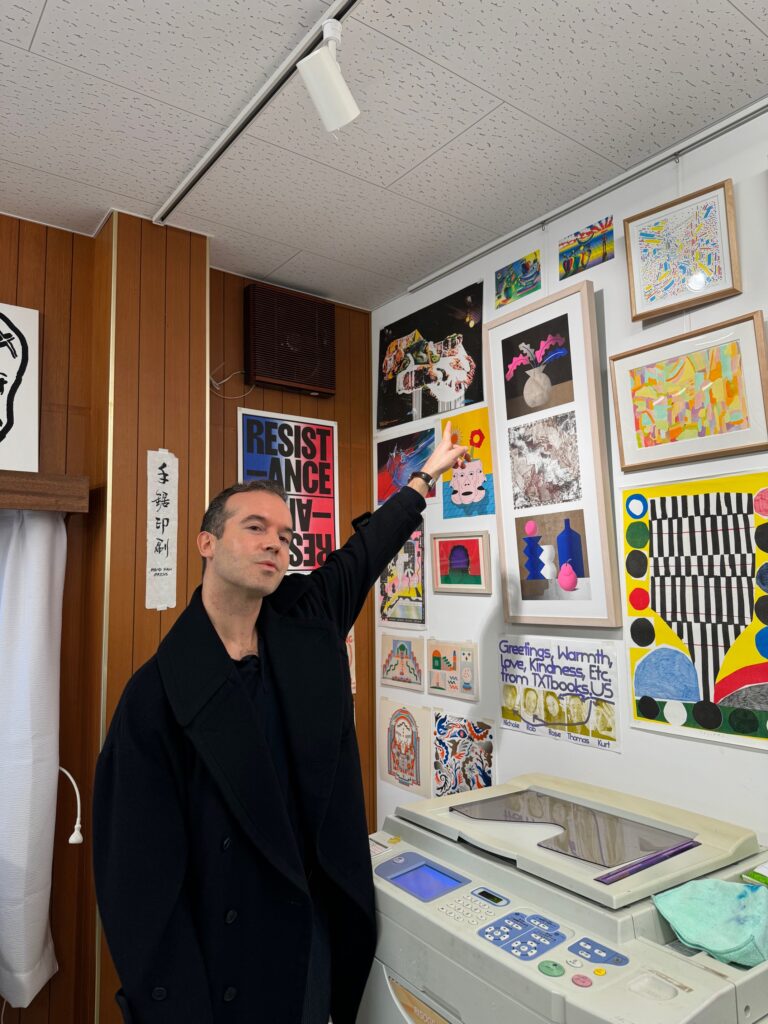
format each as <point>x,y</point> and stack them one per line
<point>599,466</point>
<point>704,297</point>
<point>762,361</point>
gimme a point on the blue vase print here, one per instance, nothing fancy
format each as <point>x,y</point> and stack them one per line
<point>569,548</point>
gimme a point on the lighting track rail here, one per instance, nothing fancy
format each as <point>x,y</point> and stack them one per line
<point>268,91</point>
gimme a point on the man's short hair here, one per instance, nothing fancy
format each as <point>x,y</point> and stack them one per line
<point>216,514</point>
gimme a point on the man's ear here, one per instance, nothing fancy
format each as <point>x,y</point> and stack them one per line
<point>206,543</point>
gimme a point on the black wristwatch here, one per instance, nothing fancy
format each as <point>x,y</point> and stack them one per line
<point>428,480</point>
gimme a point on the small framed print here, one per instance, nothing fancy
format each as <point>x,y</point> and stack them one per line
<point>453,669</point>
<point>402,662</point>
<point>683,254</point>
<point>461,563</point>
<point>698,395</point>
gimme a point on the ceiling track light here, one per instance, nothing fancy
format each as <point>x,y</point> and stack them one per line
<point>321,74</point>
<point>338,10</point>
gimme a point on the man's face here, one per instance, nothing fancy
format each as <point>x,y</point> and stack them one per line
<point>253,551</point>
<point>13,360</point>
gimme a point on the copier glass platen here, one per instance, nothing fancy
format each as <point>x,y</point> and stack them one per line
<point>529,903</point>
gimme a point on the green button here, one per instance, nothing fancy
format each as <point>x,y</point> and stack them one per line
<point>551,968</point>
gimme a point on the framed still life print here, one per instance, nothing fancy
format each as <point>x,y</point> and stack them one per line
<point>461,563</point>
<point>683,254</point>
<point>695,396</point>
<point>558,554</point>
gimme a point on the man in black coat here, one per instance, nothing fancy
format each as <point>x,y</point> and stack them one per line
<point>230,844</point>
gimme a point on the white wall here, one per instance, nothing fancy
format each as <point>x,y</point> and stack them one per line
<point>724,781</point>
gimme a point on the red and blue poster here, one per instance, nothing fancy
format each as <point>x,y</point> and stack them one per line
<point>300,454</point>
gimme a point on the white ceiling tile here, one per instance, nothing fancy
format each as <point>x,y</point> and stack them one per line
<point>409,107</point>
<point>18,20</point>
<point>38,195</point>
<point>337,281</point>
<point>625,78</point>
<point>60,120</point>
<point>755,10</point>
<point>239,252</point>
<point>281,195</point>
<point>506,171</point>
<point>208,58</point>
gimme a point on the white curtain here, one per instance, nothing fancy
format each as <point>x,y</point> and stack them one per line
<point>33,549</point>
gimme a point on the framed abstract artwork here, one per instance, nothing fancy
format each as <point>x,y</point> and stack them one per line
<point>696,576</point>
<point>430,361</point>
<point>405,748</point>
<point>401,585</point>
<point>453,669</point>
<point>463,754</point>
<point>683,254</point>
<point>695,396</point>
<point>461,563</point>
<point>467,486</point>
<point>398,457</point>
<point>402,662</point>
<point>558,554</point>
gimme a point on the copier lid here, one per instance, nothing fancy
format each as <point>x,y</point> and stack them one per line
<point>613,848</point>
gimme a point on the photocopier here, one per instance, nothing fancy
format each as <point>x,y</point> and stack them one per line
<point>529,903</point>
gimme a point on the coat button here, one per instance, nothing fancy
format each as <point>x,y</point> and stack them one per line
<point>230,917</point>
<point>229,994</point>
<point>159,994</point>
<point>226,843</point>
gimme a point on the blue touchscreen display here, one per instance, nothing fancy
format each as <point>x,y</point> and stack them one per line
<point>425,882</point>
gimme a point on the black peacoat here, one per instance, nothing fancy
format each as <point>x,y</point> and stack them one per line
<point>201,886</point>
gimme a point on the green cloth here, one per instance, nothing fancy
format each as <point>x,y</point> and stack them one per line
<point>729,920</point>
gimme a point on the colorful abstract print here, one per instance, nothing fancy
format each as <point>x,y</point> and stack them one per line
<point>679,248</point>
<point>696,566</point>
<point>700,394</point>
<point>463,754</point>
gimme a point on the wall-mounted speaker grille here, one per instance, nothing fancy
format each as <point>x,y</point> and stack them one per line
<point>290,341</point>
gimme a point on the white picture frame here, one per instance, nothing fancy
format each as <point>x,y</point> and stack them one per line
<point>560,500</point>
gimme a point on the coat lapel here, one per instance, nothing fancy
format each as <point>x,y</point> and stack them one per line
<point>219,718</point>
<point>304,663</point>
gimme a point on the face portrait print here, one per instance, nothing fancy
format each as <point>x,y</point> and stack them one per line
<point>553,711</point>
<point>13,364</point>
<point>531,713</point>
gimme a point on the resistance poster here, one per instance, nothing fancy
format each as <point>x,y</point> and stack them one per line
<point>300,454</point>
<point>560,687</point>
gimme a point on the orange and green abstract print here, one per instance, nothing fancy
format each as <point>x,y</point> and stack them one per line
<point>699,394</point>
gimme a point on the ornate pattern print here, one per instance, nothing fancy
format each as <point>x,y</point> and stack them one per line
<point>463,754</point>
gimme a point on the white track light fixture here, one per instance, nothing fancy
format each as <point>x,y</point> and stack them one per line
<point>325,83</point>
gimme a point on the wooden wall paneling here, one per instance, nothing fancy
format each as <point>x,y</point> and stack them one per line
<point>73,991</point>
<point>233,363</point>
<point>9,258</point>
<point>177,288</point>
<point>69,296</point>
<point>151,421</point>
<point>216,358</point>
<point>55,356</point>
<point>361,499</point>
<point>125,463</point>
<point>198,410</point>
<point>30,287</point>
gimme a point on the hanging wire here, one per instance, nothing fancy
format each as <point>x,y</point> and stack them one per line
<point>216,386</point>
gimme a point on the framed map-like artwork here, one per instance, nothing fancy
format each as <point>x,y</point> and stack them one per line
<point>558,554</point>
<point>683,254</point>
